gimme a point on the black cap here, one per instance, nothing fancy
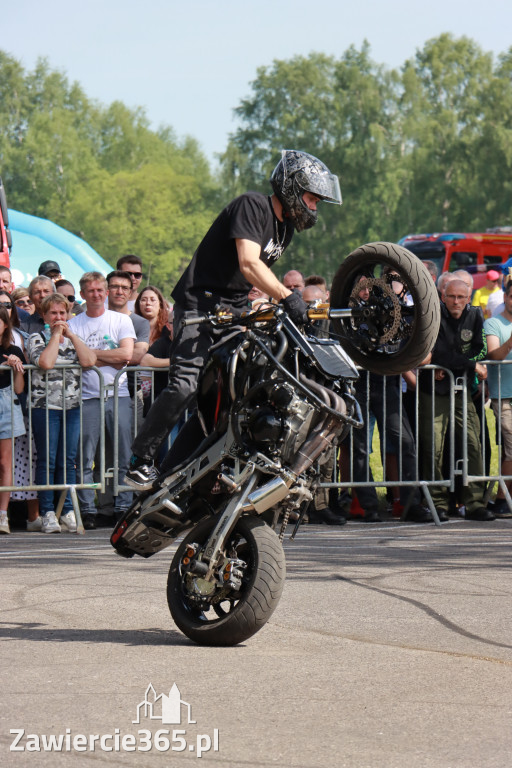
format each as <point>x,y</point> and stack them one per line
<point>48,266</point>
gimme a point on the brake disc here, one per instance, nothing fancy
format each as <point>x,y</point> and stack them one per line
<point>389,330</point>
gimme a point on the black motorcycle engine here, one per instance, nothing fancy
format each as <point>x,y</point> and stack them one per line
<point>265,426</point>
<point>275,420</point>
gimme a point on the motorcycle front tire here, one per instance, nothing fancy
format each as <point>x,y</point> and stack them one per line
<point>369,260</point>
<point>233,621</point>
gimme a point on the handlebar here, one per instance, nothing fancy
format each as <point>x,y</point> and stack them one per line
<point>197,320</point>
<point>266,314</point>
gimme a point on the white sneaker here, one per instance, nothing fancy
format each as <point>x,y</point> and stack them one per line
<point>68,521</point>
<point>50,524</point>
<point>4,523</point>
<point>35,525</point>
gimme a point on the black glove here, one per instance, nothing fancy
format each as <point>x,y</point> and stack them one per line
<point>296,307</point>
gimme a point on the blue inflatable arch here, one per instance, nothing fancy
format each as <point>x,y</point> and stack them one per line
<point>35,240</point>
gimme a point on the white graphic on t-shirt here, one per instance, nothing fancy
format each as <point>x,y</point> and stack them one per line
<point>273,251</point>
<point>96,340</point>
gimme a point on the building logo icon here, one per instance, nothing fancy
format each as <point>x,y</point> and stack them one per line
<point>168,709</point>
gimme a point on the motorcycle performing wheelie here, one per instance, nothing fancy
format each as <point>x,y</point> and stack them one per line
<point>273,400</point>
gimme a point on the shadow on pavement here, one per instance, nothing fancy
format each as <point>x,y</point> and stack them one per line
<point>131,637</point>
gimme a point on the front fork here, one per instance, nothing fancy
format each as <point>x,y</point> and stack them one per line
<point>228,520</point>
<point>244,500</point>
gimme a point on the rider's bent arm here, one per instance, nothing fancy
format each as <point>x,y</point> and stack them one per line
<point>256,271</point>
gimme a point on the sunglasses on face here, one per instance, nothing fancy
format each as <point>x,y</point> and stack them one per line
<point>6,304</point>
<point>135,275</point>
<point>23,302</point>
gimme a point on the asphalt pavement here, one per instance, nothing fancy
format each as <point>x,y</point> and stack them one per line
<point>391,648</point>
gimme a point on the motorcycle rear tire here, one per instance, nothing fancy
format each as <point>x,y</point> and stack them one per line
<point>260,593</point>
<point>426,319</point>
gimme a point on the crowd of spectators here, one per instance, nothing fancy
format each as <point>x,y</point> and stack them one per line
<point>474,326</point>
<point>116,323</point>
<point>46,326</point>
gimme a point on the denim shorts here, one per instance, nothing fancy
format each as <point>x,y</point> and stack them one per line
<point>11,422</point>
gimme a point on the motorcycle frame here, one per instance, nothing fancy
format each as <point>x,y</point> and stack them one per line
<point>172,521</point>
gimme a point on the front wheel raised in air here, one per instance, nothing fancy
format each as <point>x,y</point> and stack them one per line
<point>396,311</point>
<point>227,610</point>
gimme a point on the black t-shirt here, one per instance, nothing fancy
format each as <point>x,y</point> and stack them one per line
<point>213,276</point>
<point>5,376</point>
<point>160,348</point>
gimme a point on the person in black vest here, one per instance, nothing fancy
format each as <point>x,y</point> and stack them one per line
<point>460,346</point>
<point>247,237</point>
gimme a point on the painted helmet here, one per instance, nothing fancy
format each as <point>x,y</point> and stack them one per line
<point>296,173</point>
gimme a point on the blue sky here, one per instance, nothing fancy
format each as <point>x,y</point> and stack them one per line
<point>190,63</point>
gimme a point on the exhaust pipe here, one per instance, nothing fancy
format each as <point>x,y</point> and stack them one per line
<point>321,438</point>
<point>267,496</point>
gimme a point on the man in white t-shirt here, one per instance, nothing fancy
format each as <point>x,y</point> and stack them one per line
<point>112,336</point>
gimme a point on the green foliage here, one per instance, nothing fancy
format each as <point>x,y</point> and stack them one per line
<point>444,97</point>
<point>146,212</point>
<point>101,172</point>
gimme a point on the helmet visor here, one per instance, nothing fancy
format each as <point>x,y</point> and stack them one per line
<point>323,184</point>
<point>333,195</point>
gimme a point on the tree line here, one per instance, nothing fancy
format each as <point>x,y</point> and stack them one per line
<point>423,148</point>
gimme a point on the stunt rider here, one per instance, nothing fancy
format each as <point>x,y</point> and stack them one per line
<point>247,237</point>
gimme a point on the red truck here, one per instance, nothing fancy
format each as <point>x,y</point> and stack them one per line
<point>5,235</point>
<point>476,252</point>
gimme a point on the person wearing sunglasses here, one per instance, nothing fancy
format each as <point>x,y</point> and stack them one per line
<point>22,300</point>
<point>51,269</point>
<point>6,284</point>
<point>133,265</point>
<point>67,289</point>
<point>6,301</point>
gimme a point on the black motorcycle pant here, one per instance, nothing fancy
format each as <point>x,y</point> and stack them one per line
<point>189,352</point>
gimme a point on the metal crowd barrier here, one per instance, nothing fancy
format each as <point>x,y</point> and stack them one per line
<point>497,451</point>
<point>408,422</point>
<point>25,400</point>
<point>107,472</point>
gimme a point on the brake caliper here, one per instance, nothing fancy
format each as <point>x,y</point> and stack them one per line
<point>231,573</point>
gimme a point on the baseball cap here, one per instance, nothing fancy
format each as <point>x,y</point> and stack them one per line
<point>493,275</point>
<point>48,266</point>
